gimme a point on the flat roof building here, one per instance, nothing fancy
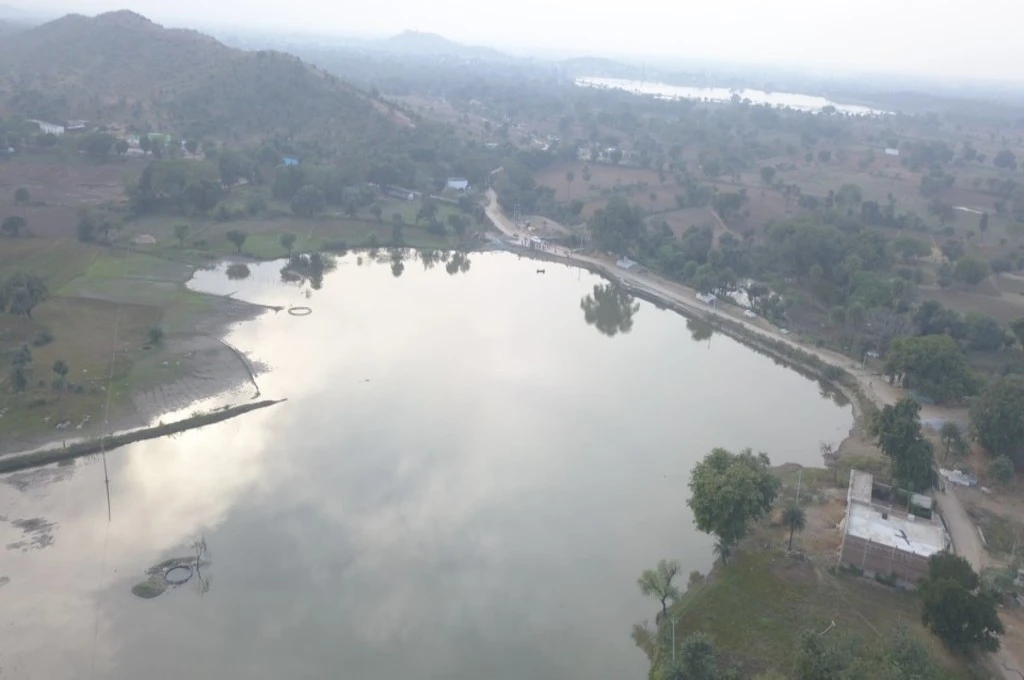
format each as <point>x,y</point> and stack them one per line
<point>881,539</point>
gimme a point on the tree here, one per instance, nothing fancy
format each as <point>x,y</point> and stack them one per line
<point>428,211</point>
<point>970,270</point>
<point>768,175</point>
<point>729,490</point>
<point>983,223</point>
<point>955,606</point>
<point>569,177</point>
<point>1005,159</point>
<point>618,226</point>
<point>1017,326</point>
<point>376,211</point>
<point>287,240</point>
<point>155,335</point>
<point>587,174</point>
<point>20,362</point>
<point>795,519</point>
<point>821,657</point>
<point>1001,470</point>
<point>996,421</point>
<point>60,370</point>
<point>830,457</point>
<point>308,201</point>
<point>952,439</point>
<point>20,293</point>
<point>898,430</point>
<point>610,309</point>
<point>12,225</point>
<point>696,659</point>
<point>22,196</point>
<point>934,365</point>
<point>657,583</point>
<point>181,233</point>
<point>121,147</point>
<point>96,145</point>
<point>459,224</point>
<point>237,238</point>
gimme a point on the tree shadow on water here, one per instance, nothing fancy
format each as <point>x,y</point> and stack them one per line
<point>610,309</point>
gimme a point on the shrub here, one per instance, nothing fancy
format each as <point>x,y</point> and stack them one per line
<point>42,338</point>
<point>1001,470</point>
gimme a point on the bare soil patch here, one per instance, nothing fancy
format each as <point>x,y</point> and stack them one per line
<point>68,183</point>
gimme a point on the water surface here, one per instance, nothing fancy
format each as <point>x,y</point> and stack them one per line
<point>469,474</point>
<point>792,100</point>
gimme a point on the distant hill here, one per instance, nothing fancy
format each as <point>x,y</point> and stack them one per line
<point>431,44</point>
<point>122,69</point>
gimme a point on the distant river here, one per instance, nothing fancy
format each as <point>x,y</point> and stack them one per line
<point>802,102</point>
<point>474,464</point>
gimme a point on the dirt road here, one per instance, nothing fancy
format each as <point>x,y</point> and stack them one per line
<point>962,530</point>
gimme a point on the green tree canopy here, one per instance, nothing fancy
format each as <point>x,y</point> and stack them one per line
<point>20,293</point>
<point>22,196</point>
<point>12,225</point>
<point>236,238</point>
<point>955,608</point>
<point>308,201</point>
<point>729,490</point>
<point>696,659</point>
<point>657,583</point>
<point>970,270</point>
<point>996,418</point>
<point>287,241</point>
<point>618,226</point>
<point>795,519</point>
<point>181,233</point>
<point>934,365</point>
<point>898,429</point>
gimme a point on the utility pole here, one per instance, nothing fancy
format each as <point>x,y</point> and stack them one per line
<point>673,639</point>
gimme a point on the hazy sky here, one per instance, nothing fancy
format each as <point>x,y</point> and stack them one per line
<point>938,37</point>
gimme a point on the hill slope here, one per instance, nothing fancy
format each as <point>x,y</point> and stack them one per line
<point>121,68</point>
<point>431,44</point>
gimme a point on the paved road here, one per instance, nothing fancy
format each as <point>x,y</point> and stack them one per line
<point>962,531</point>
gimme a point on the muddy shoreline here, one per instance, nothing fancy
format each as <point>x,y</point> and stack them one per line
<point>25,461</point>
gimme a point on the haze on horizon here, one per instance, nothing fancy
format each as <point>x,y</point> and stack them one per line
<point>913,37</point>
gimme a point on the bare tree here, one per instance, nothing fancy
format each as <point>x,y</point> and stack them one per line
<point>200,549</point>
<point>657,583</point>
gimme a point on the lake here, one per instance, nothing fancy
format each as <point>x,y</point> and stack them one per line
<point>801,102</point>
<point>470,473</point>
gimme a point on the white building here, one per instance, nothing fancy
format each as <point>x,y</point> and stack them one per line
<point>892,152</point>
<point>49,128</point>
<point>458,183</point>
<point>884,539</point>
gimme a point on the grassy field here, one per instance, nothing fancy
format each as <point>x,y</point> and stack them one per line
<point>792,596</point>
<point>207,241</point>
<point>93,291</point>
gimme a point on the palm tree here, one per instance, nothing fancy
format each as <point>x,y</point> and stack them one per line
<point>950,436</point>
<point>569,177</point>
<point>795,518</point>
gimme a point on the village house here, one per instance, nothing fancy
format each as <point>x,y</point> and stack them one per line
<point>49,128</point>
<point>458,183</point>
<point>885,540</point>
